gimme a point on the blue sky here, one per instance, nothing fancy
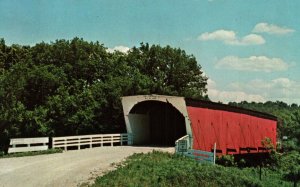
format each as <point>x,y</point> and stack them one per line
<point>248,49</point>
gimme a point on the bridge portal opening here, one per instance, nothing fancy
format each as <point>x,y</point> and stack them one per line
<point>156,123</point>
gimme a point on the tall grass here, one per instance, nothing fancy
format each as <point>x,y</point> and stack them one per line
<point>165,169</point>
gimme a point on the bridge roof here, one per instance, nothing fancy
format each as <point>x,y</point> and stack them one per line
<point>229,108</point>
<point>206,104</point>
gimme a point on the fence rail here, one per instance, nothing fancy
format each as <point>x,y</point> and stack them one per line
<point>91,140</point>
<point>28,144</point>
<point>183,147</point>
<point>200,156</point>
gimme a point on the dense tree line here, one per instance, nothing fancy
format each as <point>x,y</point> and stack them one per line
<point>71,87</point>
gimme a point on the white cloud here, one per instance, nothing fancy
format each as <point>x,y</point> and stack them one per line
<point>258,90</point>
<point>222,35</point>
<point>252,63</point>
<point>271,29</point>
<point>229,37</point>
<point>120,48</point>
<point>252,39</point>
<point>230,95</point>
<point>281,89</point>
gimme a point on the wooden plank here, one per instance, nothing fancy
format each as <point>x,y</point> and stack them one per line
<point>193,151</point>
<point>114,141</point>
<point>72,141</point>
<point>58,146</point>
<point>200,152</point>
<point>108,137</point>
<point>82,136</point>
<point>16,141</point>
<point>26,149</point>
<point>101,139</point>
<point>198,157</point>
<point>87,143</point>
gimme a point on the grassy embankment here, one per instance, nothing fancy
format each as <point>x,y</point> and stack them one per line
<point>165,169</point>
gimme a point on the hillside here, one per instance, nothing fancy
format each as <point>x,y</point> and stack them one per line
<point>165,169</point>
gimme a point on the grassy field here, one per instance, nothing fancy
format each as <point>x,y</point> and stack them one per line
<point>165,169</point>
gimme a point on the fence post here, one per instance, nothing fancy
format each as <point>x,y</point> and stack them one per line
<point>215,147</point>
<point>79,143</point>
<point>65,144</point>
<point>111,143</point>
<point>121,139</point>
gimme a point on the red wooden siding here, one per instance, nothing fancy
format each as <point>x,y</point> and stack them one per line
<point>233,132</point>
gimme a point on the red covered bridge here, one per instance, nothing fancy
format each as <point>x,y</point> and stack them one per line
<point>161,120</point>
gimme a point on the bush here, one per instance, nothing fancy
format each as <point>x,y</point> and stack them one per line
<point>226,160</point>
<point>165,169</point>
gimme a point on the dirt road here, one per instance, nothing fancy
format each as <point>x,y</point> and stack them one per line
<point>71,168</point>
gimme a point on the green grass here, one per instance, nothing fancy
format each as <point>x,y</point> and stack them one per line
<point>165,169</point>
<point>49,151</point>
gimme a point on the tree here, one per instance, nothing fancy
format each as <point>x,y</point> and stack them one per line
<point>171,71</point>
<point>71,87</point>
<point>290,165</point>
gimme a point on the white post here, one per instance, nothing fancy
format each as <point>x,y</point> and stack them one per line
<point>121,137</point>
<point>79,142</point>
<point>215,148</point>
<point>65,144</point>
<point>111,139</point>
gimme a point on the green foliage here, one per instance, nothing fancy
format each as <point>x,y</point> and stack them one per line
<point>171,71</point>
<point>226,160</point>
<point>290,165</point>
<point>71,87</point>
<point>267,143</point>
<point>165,169</point>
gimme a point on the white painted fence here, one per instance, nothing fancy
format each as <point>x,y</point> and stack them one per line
<point>91,140</point>
<point>28,144</point>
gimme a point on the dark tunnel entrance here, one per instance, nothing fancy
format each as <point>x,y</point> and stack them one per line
<point>156,123</point>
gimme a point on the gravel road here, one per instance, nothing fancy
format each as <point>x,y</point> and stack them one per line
<point>71,168</point>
